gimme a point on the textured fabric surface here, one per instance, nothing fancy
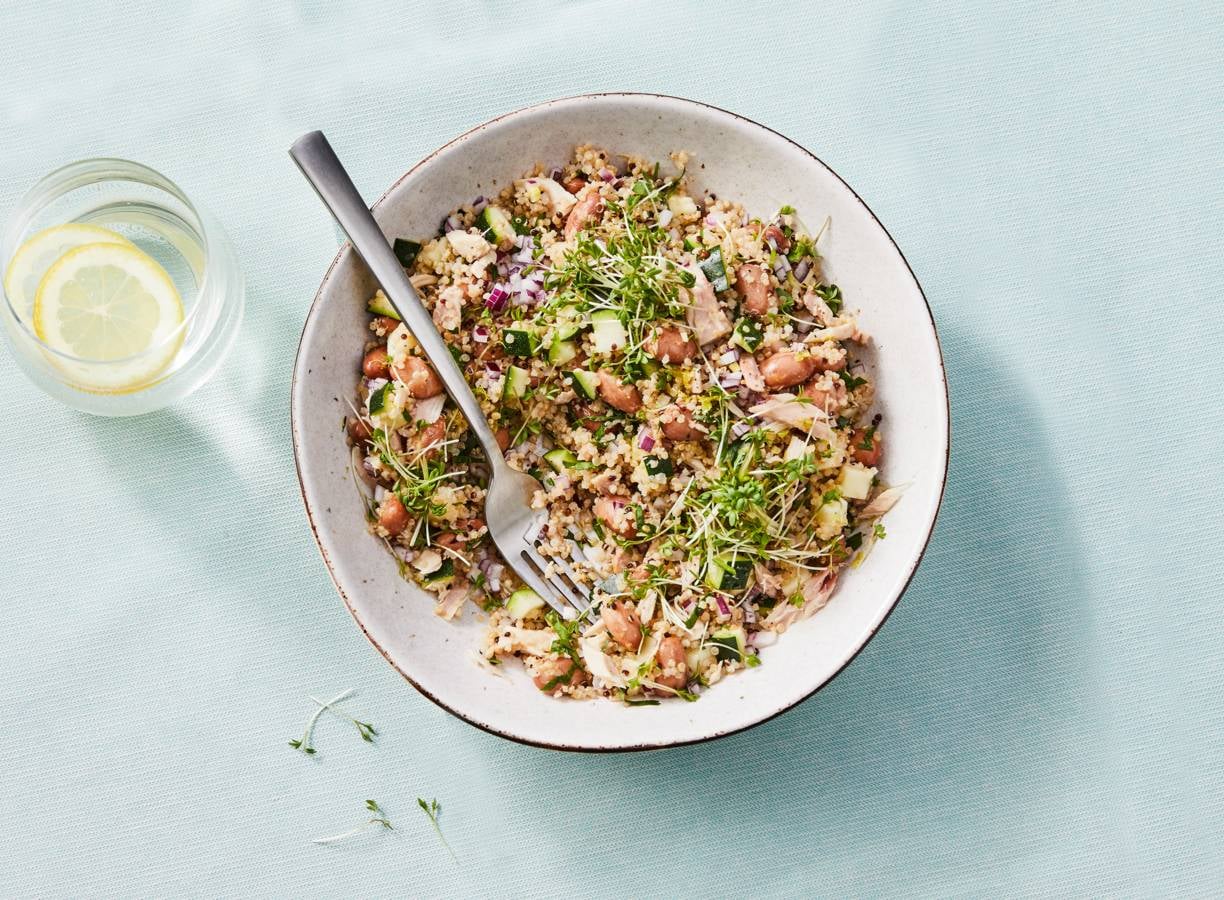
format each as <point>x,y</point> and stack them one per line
<point>1040,716</point>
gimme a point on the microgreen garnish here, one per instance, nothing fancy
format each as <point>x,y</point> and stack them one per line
<point>433,809</point>
<point>832,296</point>
<point>566,633</point>
<point>378,818</point>
<point>851,381</point>
<point>878,532</point>
<point>305,742</point>
<point>417,477</point>
<point>624,271</point>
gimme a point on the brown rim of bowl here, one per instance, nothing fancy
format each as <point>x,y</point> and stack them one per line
<point>293,427</point>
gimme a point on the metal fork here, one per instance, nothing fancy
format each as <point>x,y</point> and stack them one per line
<point>514,526</point>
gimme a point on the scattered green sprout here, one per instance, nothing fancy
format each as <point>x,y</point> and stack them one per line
<point>433,809</point>
<point>306,742</point>
<point>626,272</point>
<point>378,817</point>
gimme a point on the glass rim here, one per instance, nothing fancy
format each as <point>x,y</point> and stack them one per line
<point>70,177</point>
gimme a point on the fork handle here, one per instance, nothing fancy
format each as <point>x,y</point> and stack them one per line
<point>318,162</point>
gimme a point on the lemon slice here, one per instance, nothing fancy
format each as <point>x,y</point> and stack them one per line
<point>115,309</point>
<point>33,258</point>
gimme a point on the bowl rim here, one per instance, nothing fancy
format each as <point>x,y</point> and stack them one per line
<point>660,745</point>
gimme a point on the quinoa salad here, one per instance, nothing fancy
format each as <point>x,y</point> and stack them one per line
<point>683,382</point>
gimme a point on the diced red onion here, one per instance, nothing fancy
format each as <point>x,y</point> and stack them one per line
<point>479,204</point>
<point>750,615</point>
<point>665,218</point>
<point>802,269</point>
<point>494,575</point>
<point>606,174</point>
<point>554,174</point>
<point>480,334</point>
<point>727,358</point>
<point>453,223</point>
<point>731,379</point>
<point>803,326</point>
<point>646,441</point>
<point>379,493</point>
<point>739,429</point>
<point>497,298</point>
<point>781,267</point>
<point>722,605</point>
<point>492,368</point>
<point>773,245</point>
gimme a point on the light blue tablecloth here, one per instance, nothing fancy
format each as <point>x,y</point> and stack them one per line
<point>1041,715</point>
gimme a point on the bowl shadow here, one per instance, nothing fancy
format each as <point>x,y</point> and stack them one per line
<point>968,692</point>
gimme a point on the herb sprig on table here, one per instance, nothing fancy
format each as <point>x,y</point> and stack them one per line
<point>433,809</point>
<point>305,743</point>
<point>378,818</point>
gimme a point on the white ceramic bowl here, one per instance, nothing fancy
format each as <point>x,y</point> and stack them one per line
<point>734,158</point>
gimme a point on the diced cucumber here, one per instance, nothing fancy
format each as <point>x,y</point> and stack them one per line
<point>518,342</point>
<point>523,603</point>
<point>748,334</point>
<point>569,323</point>
<point>855,481</point>
<point>406,252</point>
<point>584,383</point>
<point>496,225</point>
<point>517,380</point>
<point>560,459</point>
<point>378,399</point>
<point>608,333</point>
<point>561,352</point>
<point>380,305</point>
<point>657,465</point>
<point>832,516</point>
<point>729,642</point>
<point>715,271</point>
<point>400,343</point>
<point>698,655</point>
<point>442,573</point>
<point>796,449</point>
<point>725,575</point>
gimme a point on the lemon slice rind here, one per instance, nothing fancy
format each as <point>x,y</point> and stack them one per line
<point>40,252</point>
<point>114,315</point>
